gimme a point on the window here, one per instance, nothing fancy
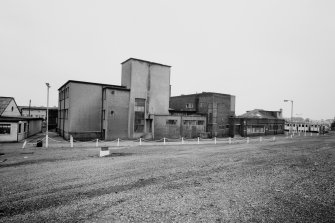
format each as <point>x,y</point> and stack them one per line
<point>171,122</point>
<point>12,108</point>
<point>24,127</point>
<point>112,92</point>
<point>19,127</point>
<point>210,117</point>
<point>189,105</point>
<point>4,128</point>
<point>139,114</point>
<point>190,122</point>
<point>201,122</point>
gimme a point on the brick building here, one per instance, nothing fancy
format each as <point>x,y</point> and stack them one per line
<point>216,107</point>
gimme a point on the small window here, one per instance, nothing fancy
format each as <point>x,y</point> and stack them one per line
<point>12,108</point>
<point>19,127</point>
<point>189,105</point>
<point>171,122</point>
<point>201,122</point>
<point>112,92</point>
<point>4,129</point>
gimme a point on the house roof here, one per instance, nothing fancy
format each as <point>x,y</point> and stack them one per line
<point>257,113</point>
<point>145,61</point>
<point>104,85</point>
<point>17,119</point>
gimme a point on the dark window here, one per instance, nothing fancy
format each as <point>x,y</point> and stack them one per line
<point>201,122</point>
<point>12,108</point>
<point>189,105</point>
<point>24,127</point>
<point>19,127</point>
<point>210,117</point>
<point>112,92</point>
<point>139,114</point>
<point>171,122</point>
<point>4,128</point>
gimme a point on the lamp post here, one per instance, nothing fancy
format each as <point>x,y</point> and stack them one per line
<point>291,130</point>
<point>46,133</point>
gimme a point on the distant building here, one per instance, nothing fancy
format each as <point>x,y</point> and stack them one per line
<point>41,112</point>
<point>216,107</point>
<point>257,122</point>
<point>94,110</point>
<point>13,126</point>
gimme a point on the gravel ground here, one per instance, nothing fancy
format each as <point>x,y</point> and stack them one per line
<point>285,181</point>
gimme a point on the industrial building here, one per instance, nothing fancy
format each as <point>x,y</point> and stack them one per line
<point>41,112</point>
<point>257,122</point>
<point>94,110</point>
<point>216,107</point>
<point>13,126</point>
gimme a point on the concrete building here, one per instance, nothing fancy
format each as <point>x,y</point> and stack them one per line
<point>216,107</point>
<point>41,112</point>
<point>257,122</point>
<point>133,110</point>
<point>13,126</point>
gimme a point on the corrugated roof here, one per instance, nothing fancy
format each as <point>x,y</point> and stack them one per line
<point>4,102</point>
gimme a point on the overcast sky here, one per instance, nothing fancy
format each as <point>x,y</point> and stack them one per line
<point>260,51</point>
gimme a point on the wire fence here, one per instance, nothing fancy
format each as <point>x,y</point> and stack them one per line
<point>72,143</point>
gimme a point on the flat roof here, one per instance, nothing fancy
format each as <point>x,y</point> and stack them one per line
<point>92,83</point>
<point>17,119</point>
<point>145,61</point>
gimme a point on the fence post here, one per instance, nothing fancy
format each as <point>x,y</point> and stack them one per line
<point>24,144</point>
<point>229,140</point>
<point>260,138</point>
<point>198,140</point>
<point>214,140</point>
<point>274,138</point>
<point>118,142</point>
<point>71,141</point>
<point>182,140</point>
<point>140,141</point>
<point>247,139</point>
<point>164,140</point>
<point>97,143</point>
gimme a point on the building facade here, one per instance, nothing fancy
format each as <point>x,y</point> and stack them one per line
<point>41,112</point>
<point>216,107</point>
<point>257,122</point>
<point>13,126</point>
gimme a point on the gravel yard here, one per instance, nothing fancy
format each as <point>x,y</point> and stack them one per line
<point>292,180</point>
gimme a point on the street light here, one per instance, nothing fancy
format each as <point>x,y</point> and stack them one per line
<point>47,137</point>
<point>291,130</point>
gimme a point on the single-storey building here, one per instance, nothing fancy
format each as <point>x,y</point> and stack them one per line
<point>257,122</point>
<point>13,126</point>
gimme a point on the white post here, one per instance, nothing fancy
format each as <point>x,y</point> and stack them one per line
<point>164,140</point>
<point>97,143</point>
<point>260,139</point>
<point>229,140</point>
<point>305,133</point>
<point>247,139</point>
<point>182,140</point>
<point>46,141</point>
<point>198,140</point>
<point>24,144</point>
<point>140,141</point>
<point>47,127</point>
<point>311,133</point>
<point>214,140</point>
<point>291,136</point>
<point>71,141</point>
<point>118,142</point>
<point>274,138</point>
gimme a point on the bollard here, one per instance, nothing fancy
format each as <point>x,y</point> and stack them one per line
<point>182,140</point>
<point>198,140</point>
<point>247,139</point>
<point>118,142</point>
<point>229,140</point>
<point>299,133</point>
<point>46,141</point>
<point>71,141</point>
<point>97,143</point>
<point>260,139</point>
<point>305,133</point>
<point>291,136</point>
<point>311,133</point>
<point>274,138</point>
<point>214,140</point>
<point>164,140</point>
<point>24,144</point>
<point>140,141</point>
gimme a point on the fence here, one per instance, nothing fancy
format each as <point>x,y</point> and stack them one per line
<point>164,141</point>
